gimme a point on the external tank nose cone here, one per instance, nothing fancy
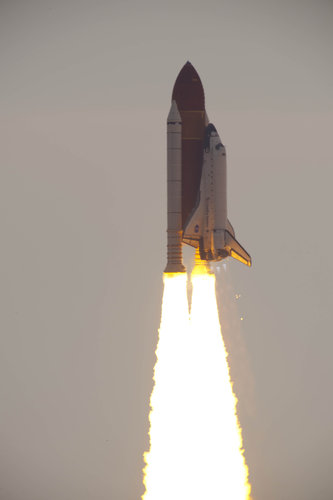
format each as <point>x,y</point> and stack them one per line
<point>188,90</point>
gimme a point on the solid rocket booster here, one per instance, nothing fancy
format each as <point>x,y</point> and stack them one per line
<point>174,191</point>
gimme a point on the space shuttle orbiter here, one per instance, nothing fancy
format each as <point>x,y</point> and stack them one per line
<point>197,179</point>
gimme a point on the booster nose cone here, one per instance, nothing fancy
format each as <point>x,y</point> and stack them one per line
<point>174,115</point>
<point>188,90</point>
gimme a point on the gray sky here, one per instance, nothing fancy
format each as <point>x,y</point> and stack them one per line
<point>84,95</point>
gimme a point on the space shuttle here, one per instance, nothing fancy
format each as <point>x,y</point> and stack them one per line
<point>197,180</point>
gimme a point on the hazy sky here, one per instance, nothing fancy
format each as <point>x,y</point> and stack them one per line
<point>85,90</point>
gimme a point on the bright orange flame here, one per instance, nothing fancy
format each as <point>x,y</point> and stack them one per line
<point>223,471</point>
<point>166,456</point>
<point>195,438</point>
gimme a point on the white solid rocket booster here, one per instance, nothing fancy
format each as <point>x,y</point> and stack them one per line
<point>174,175</point>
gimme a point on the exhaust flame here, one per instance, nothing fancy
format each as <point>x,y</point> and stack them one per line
<point>195,438</point>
